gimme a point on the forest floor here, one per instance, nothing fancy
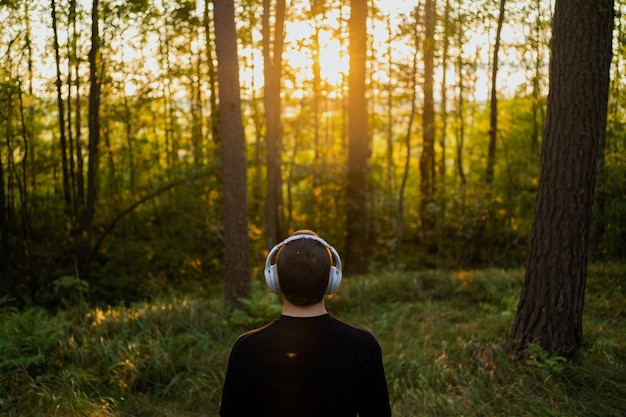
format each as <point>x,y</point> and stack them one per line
<point>443,335</point>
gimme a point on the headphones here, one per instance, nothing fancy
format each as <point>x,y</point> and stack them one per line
<point>271,271</point>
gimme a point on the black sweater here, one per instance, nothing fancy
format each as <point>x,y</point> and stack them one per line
<point>305,367</point>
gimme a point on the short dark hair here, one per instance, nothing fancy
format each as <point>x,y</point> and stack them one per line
<point>303,267</point>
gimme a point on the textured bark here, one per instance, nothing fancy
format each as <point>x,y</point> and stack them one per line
<point>551,303</point>
<point>236,245</point>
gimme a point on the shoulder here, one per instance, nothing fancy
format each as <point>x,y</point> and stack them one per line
<point>251,337</point>
<point>357,333</point>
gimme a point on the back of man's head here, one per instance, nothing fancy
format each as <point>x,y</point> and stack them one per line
<point>303,267</point>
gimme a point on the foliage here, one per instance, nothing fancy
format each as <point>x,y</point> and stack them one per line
<point>155,130</point>
<point>442,333</point>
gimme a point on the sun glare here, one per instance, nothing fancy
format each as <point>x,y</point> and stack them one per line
<point>333,55</point>
<point>334,62</point>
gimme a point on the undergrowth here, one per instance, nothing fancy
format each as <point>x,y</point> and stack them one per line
<point>442,334</point>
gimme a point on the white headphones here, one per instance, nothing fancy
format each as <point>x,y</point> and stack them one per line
<point>271,271</point>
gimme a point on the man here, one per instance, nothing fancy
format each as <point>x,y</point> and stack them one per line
<point>306,363</point>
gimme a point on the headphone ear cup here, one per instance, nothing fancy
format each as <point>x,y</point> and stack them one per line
<point>271,279</point>
<point>334,280</point>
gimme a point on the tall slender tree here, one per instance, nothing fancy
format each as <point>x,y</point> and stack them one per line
<point>427,157</point>
<point>237,263</point>
<point>85,235</point>
<point>551,304</point>
<point>62,129</point>
<point>493,103</point>
<point>356,260</point>
<point>273,41</point>
<point>407,141</point>
<point>212,75</point>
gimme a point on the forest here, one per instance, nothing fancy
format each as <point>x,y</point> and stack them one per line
<point>135,204</point>
<point>152,152</point>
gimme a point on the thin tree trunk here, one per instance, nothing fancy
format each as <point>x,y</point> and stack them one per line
<point>407,161</point>
<point>80,179</point>
<point>493,119</point>
<point>444,94</point>
<point>72,58</point>
<point>24,197</point>
<point>94,140</point>
<point>427,158</point>
<point>389,154</point>
<point>214,115</point>
<point>272,59</point>
<point>479,234</point>
<point>62,137</point>
<point>4,218</point>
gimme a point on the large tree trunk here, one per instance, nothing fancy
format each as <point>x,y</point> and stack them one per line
<point>272,59</point>
<point>237,264</point>
<point>551,304</point>
<point>358,147</point>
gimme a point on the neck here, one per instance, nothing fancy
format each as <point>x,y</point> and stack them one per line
<point>308,311</point>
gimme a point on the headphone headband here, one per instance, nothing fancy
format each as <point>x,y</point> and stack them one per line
<point>271,272</point>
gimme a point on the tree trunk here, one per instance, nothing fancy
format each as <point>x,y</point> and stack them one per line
<point>272,59</point>
<point>213,118</point>
<point>94,139</point>
<point>444,92</point>
<point>551,304</point>
<point>485,215</point>
<point>460,110</point>
<point>236,244</point>
<point>356,259</point>
<point>4,225</point>
<point>493,119</point>
<point>389,87</point>
<point>407,163</point>
<point>78,124</point>
<point>63,139</point>
<point>427,158</point>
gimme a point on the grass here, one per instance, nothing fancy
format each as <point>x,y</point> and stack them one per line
<point>442,335</point>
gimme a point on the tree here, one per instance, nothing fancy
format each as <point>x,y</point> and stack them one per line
<point>551,304</point>
<point>237,259</point>
<point>493,104</point>
<point>493,136</point>
<point>358,145</point>
<point>272,59</point>
<point>407,141</point>
<point>63,138</point>
<point>84,247</point>
<point>427,158</point>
